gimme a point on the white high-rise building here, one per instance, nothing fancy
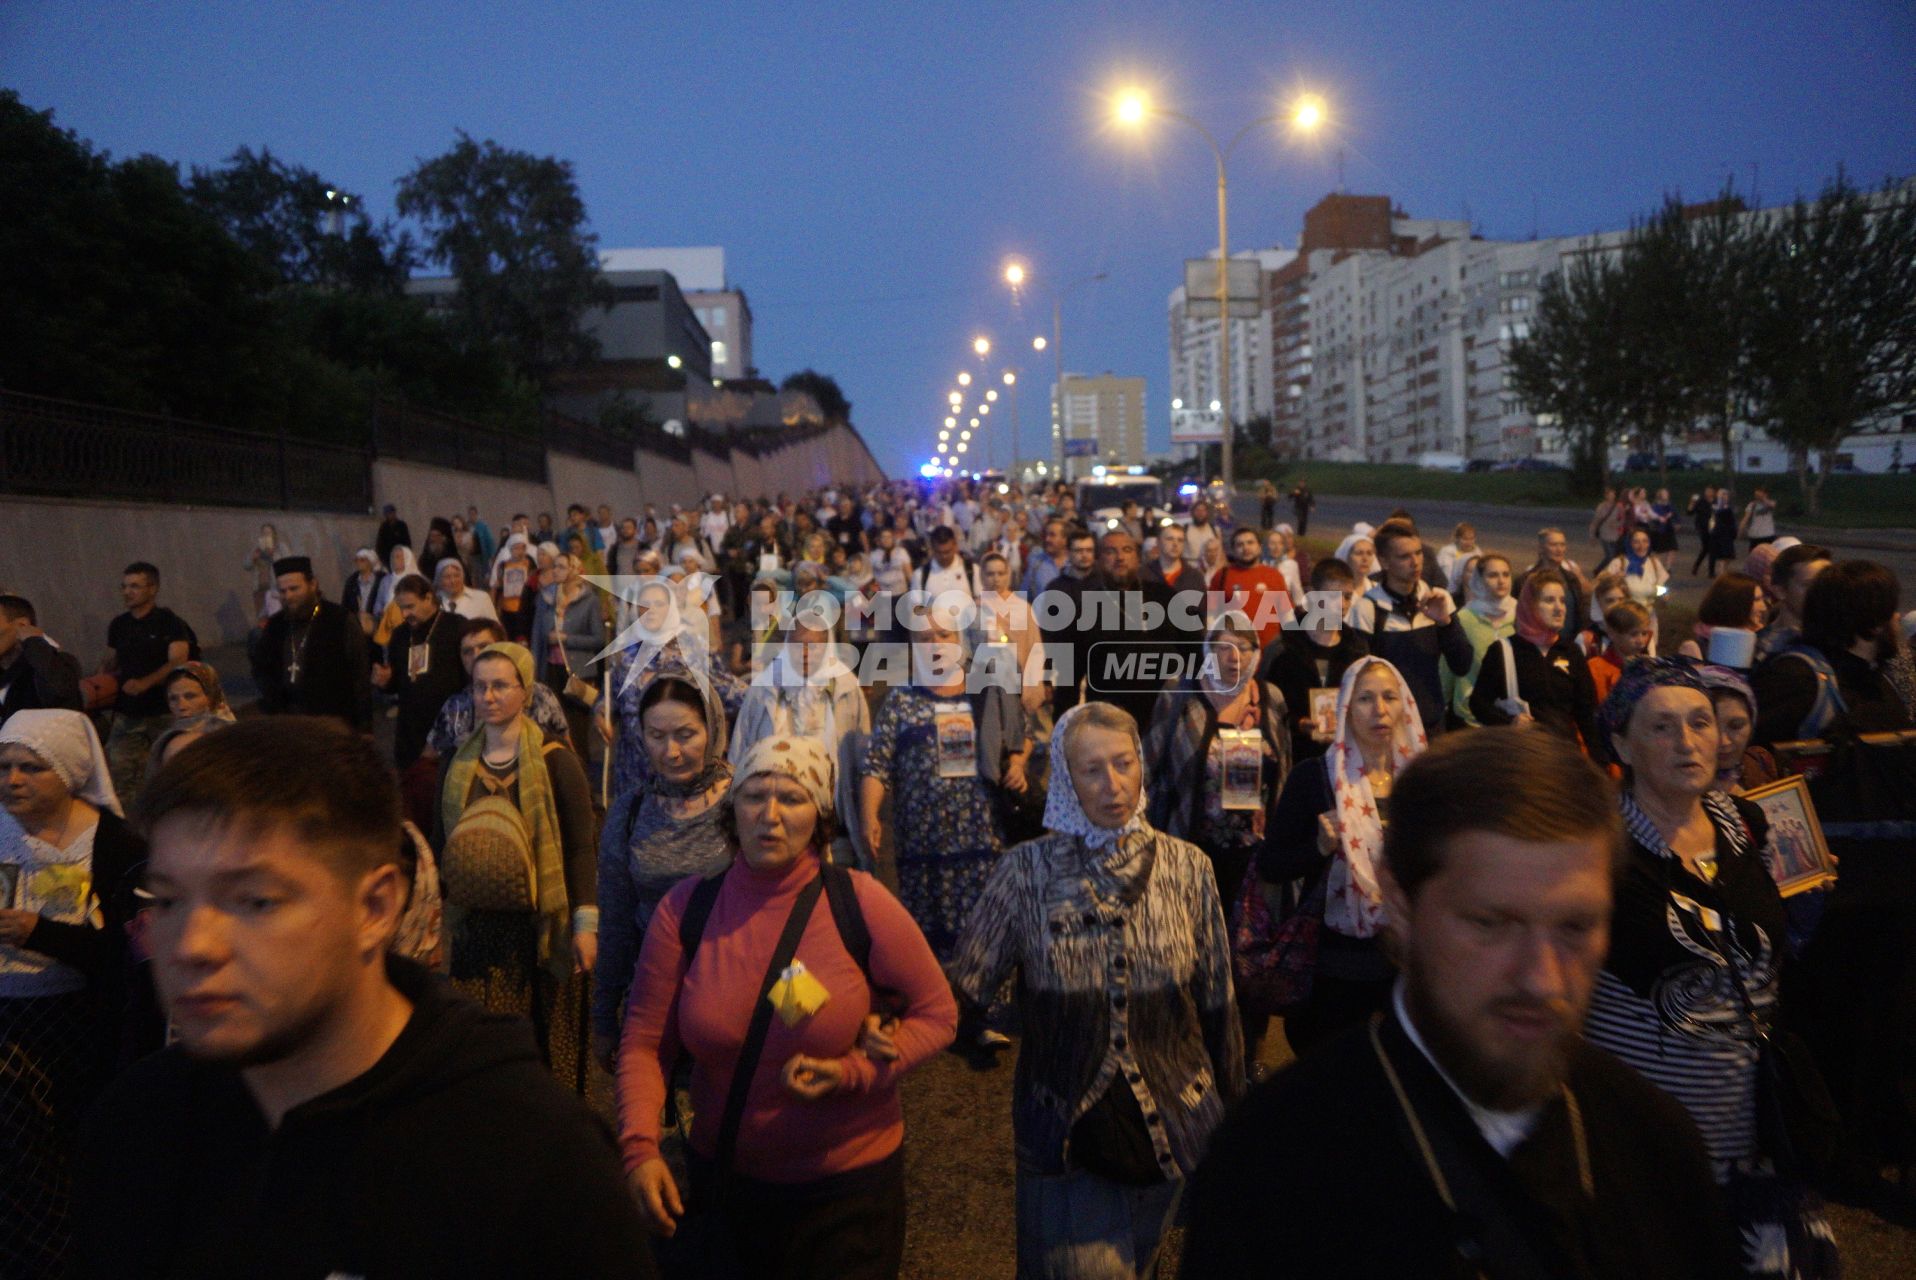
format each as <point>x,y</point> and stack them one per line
<point>1194,350</point>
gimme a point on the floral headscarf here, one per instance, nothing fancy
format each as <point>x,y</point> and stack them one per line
<point>1063,812</point>
<point>803,760</point>
<point>1354,898</point>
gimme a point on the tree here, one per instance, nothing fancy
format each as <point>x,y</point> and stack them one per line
<point>307,231</point>
<point>512,228</point>
<point>1570,367</point>
<point>1833,337</point>
<point>824,391</point>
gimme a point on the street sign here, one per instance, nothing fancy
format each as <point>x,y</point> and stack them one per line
<point>1244,278</point>
<point>1196,426</point>
<point>1085,448</point>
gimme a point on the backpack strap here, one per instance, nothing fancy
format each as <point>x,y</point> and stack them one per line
<point>754,1046</point>
<point>842,895</point>
<point>698,909</point>
<point>1829,697</point>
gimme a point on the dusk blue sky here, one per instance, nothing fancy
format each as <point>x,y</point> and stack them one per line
<point>868,167</point>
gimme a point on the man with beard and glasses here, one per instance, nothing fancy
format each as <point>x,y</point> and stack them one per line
<point>326,1108</point>
<point>1469,1129</point>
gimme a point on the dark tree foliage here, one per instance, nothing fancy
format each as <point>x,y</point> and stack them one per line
<point>511,227</point>
<point>824,391</point>
<point>306,230</point>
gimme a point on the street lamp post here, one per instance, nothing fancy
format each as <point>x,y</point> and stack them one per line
<point>1016,275</point>
<point>1306,114</point>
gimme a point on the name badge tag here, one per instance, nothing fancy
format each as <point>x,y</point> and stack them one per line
<point>957,740</point>
<point>1242,768</point>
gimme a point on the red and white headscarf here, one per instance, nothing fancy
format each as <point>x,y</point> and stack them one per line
<point>1354,899</point>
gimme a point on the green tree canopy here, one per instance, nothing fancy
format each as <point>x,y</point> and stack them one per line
<point>511,227</point>
<point>824,391</point>
<point>304,229</point>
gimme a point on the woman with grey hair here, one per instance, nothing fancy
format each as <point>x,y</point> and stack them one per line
<point>1131,1041</point>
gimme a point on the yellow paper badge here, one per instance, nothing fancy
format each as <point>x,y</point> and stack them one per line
<point>797,995</point>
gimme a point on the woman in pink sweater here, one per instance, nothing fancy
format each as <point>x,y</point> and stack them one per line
<point>808,1180</point>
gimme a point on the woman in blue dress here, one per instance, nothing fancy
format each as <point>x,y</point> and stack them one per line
<point>942,754</point>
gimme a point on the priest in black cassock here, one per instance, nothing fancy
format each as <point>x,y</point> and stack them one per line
<point>313,658</point>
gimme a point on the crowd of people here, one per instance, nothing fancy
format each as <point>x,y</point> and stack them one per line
<point>319,988</point>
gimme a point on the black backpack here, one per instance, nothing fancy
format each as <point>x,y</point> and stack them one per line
<point>839,894</point>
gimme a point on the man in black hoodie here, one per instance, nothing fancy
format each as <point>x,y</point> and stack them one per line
<point>327,1110</point>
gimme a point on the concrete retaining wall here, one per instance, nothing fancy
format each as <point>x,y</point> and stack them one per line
<point>66,554</point>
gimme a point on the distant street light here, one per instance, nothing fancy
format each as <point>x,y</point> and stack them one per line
<point>982,345</point>
<point>1011,379</point>
<point>1306,114</point>
<point>991,395</point>
<point>1037,343</point>
<point>964,379</point>
<point>674,361</point>
<point>1014,274</point>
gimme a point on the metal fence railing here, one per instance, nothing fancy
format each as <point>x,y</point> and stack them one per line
<point>583,440</point>
<point>412,434</point>
<point>59,448</point>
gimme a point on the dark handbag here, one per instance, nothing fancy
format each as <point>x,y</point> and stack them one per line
<point>1274,952</point>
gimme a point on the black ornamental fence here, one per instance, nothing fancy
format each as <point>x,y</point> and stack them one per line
<point>412,434</point>
<point>59,448</point>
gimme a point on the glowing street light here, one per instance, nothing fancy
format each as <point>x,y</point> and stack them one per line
<point>964,379</point>
<point>955,398</point>
<point>1307,113</point>
<point>982,345</point>
<point>1130,107</point>
<point>951,422</point>
<point>984,408</point>
<point>673,361</point>
<point>1014,273</point>
<point>944,435</point>
<point>1011,379</point>
<point>1038,343</point>
<point>974,424</point>
<point>991,395</point>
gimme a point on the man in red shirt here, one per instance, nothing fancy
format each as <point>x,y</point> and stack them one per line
<point>1255,588</point>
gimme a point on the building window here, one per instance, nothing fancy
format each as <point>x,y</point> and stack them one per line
<point>717,323</point>
<point>718,354</point>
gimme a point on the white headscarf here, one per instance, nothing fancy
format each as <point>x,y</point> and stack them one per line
<point>408,564</point>
<point>70,747</point>
<point>1354,899</point>
<point>1359,533</point>
<point>1063,812</point>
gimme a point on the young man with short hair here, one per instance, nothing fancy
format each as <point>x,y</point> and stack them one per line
<point>947,569</point>
<point>1247,584</point>
<point>1487,1135</point>
<point>1315,655</point>
<point>1411,624</point>
<point>1791,575</point>
<point>33,674</point>
<point>1169,565</point>
<point>143,645</point>
<point>326,1109</point>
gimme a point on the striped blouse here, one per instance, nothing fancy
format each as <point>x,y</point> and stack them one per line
<point>1692,975</point>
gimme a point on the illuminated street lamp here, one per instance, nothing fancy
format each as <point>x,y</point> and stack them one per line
<point>1017,274</point>
<point>951,422</point>
<point>991,396</point>
<point>984,408</point>
<point>955,398</point>
<point>1011,379</point>
<point>1131,108</point>
<point>964,379</point>
<point>982,345</point>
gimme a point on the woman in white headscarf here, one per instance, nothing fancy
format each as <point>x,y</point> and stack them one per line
<point>808,691</point>
<point>655,633</point>
<point>361,595</point>
<point>1326,834</point>
<point>404,565</point>
<point>1359,552</point>
<point>1131,1046</point>
<point>66,876</point>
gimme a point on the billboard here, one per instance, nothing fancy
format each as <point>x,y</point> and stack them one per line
<point>1196,426</point>
<point>1085,448</point>
<point>1244,278</point>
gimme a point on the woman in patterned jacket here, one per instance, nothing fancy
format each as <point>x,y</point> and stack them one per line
<point>1132,1047</point>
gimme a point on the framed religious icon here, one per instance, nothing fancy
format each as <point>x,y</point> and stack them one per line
<point>1798,856</point>
<point>1324,714</point>
<point>1805,756</point>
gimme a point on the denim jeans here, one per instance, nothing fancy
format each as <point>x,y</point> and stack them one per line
<point>1079,1226</point>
